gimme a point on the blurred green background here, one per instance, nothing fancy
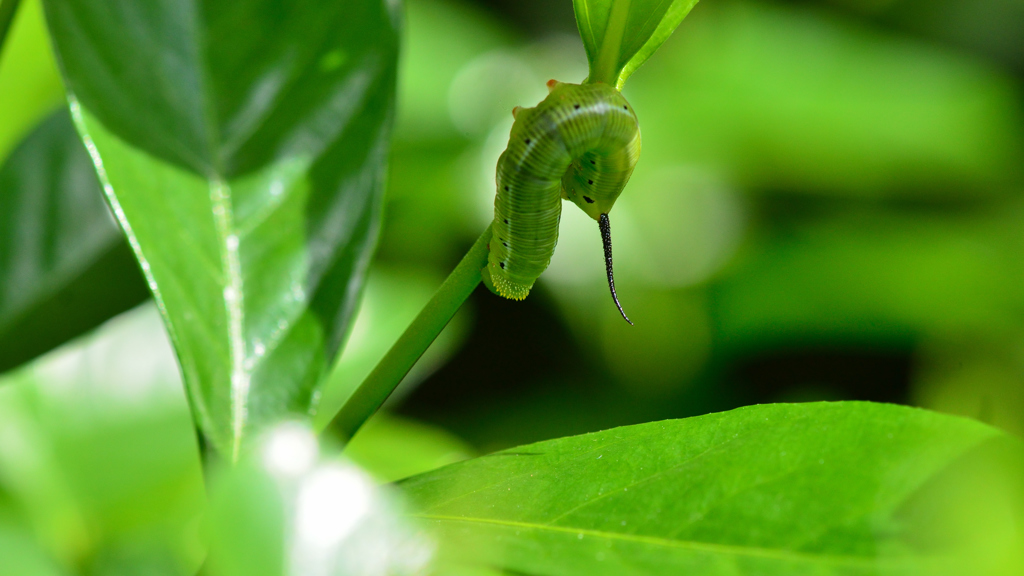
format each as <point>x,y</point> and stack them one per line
<point>828,206</point>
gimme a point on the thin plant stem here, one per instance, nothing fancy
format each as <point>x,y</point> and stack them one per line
<point>390,371</point>
<point>606,67</point>
<point>8,8</point>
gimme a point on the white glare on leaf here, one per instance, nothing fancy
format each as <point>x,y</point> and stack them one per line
<point>336,520</point>
<point>331,501</point>
<point>290,450</point>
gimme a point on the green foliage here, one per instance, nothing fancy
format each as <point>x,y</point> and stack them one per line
<point>804,180</point>
<point>246,172</point>
<point>99,454</point>
<point>783,99</point>
<point>59,247</point>
<point>28,73</point>
<point>620,35</point>
<point>843,488</point>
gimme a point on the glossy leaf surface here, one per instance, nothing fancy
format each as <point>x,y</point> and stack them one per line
<point>242,146</point>
<point>64,265</point>
<point>620,35</point>
<point>840,488</point>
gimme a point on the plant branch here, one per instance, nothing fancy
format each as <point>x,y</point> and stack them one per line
<point>390,371</point>
<point>8,8</point>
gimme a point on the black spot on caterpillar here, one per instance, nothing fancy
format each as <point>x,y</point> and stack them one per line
<point>539,176</point>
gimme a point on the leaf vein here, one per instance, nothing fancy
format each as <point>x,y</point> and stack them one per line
<point>730,549</point>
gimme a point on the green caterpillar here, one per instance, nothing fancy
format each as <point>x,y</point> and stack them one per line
<point>581,144</point>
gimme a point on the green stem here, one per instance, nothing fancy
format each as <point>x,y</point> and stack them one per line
<point>606,68</point>
<point>8,8</point>
<point>372,393</point>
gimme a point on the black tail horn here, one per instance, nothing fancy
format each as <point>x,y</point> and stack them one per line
<point>606,238</point>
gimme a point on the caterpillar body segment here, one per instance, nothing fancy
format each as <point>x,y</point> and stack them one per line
<point>580,143</point>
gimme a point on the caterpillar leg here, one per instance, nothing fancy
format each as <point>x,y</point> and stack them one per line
<point>499,285</point>
<point>485,277</point>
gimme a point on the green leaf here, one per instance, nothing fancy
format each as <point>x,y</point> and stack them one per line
<point>620,35</point>
<point>243,148</point>
<point>29,82</point>
<point>104,465</point>
<point>64,265</point>
<point>843,488</point>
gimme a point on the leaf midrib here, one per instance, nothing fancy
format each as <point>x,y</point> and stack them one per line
<point>222,204</point>
<point>731,549</point>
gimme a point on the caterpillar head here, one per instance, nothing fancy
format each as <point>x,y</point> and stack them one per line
<point>599,172</point>
<point>593,185</point>
<point>582,191</point>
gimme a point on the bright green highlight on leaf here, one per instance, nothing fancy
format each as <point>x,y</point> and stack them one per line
<point>826,489</point>
<point>620,35</point>
<point>29,82</point>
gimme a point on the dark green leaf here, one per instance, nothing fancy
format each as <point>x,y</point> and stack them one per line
<point>243,148</point>
<point>64,265</point>
<point>620,35</point>
<point>843,488</point>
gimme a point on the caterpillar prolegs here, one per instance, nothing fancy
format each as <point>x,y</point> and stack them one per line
<point>580,144</point>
